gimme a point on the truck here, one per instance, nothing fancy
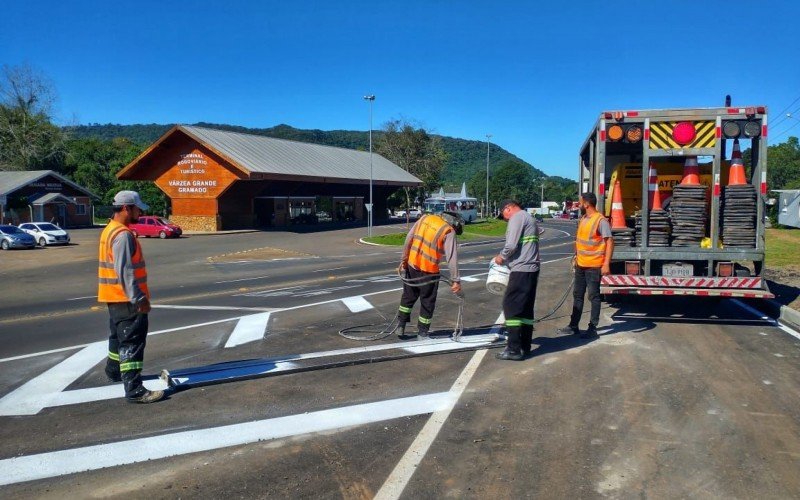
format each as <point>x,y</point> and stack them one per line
<point>640,151</point>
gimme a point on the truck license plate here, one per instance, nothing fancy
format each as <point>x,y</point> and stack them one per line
<point>678,270</point>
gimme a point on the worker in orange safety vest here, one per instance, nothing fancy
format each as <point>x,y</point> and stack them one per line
<point>430,240</point>
<point>594,247</point>
<point>122,285</point>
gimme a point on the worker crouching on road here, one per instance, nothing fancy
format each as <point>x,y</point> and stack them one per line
<point>521,255</point>
<point>122,284</point>
<point>431,239</point>
<point>594,247</point>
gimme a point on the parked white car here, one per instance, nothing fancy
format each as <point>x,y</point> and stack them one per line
<point>413,213</point>
<point>45,233</point>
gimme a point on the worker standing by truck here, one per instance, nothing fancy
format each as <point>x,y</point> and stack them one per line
<point>594,247</point>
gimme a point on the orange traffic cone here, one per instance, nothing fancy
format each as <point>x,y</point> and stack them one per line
<point>691,172</point>
<point>656,205</point>
<point>653,187</point>
<point>617,212</point>
<point>736,176</point>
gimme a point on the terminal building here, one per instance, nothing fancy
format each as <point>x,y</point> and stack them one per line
<point>44,196</point>
<point>218,180</point>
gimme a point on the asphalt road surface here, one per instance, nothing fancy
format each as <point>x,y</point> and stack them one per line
<point>678,398</point>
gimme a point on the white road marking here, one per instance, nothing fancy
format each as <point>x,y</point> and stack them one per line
<point>761,315</point>
<point>396,482</point>
<point>329,269</point>
<point>34,395</point>
<point>214,308</point>
<point>71,461</point>
<point>242,279</point>
<point>357,304</point>
<point>469,279</point>
<point>42,353</point>
<point>87,297</point>
<point>249,329</point>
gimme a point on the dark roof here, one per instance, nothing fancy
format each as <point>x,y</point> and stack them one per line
<point>13,180</point>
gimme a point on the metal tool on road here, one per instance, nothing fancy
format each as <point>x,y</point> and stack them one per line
<point>379,331</point>
<point>234,371</point>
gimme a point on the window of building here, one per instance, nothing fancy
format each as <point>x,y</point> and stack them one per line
<point>80,209</point>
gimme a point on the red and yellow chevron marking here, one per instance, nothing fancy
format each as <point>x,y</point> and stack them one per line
<point>661,135</point>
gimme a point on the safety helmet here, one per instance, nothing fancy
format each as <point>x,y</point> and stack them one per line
<point>455,220</point>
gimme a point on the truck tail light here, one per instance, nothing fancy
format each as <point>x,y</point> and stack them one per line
<point>725,269</point>
<point>633,267</point>
<point>752,129</point>
<point>634,134</point>
<point>684,133</point>
<point>614,133</point>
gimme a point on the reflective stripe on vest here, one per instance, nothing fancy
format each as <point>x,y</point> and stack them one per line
<point>589,245</point>
<point>427,244</point>
<point>109,287</point>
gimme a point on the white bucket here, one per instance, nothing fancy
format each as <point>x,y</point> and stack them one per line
<point>497,280</point>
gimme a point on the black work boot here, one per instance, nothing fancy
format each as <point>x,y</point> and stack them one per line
<point>400,330</point>
<point>568,330</point>
<point>513,351</point>
<point>590,333</point>
<point>423,334</point>
<point>113,375</point>
<point>147,397</point>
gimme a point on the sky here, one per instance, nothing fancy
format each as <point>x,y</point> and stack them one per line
<point>534,76</point>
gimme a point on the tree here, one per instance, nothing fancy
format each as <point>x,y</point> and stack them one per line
<point>28,139</point>
<point>514,180</point>
<point>415,151</point>
<point>783,165</point>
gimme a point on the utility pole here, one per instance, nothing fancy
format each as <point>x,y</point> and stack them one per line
<point>486,209</point>
<point>371,99</point>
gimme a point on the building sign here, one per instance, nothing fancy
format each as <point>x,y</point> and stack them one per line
<point>195,175</point>
<point>47,186</point>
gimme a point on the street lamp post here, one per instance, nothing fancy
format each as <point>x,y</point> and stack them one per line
<point>486,207</point>
<point>371,99</point>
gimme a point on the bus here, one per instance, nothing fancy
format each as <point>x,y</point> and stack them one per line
<point>459,203</point>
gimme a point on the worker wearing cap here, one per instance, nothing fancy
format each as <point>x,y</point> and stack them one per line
<point>430,240</point>
<point>521,255</point>
<point>594,247</point>
<point>122,285</point>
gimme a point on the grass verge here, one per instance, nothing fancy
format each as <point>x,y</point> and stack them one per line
<point>473,231</point>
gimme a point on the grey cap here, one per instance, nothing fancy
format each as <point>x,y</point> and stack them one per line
<point>129,198</point>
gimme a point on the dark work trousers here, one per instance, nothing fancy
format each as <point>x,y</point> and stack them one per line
<point>126,341</point>
<point>518,303</point>
<point>426,293</point>
<point>586,279</point>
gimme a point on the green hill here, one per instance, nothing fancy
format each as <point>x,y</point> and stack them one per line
<point>465,157</point>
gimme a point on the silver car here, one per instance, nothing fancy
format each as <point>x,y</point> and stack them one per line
<point>14,237</point>
<point>46,233</point>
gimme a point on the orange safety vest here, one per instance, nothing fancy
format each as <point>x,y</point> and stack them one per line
<point>427,244</point>
<point>109,288</point>
<point>589,245</point>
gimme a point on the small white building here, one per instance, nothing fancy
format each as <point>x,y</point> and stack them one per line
<point>789,207</point>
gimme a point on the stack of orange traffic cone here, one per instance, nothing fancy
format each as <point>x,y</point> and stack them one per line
<point>689,207</point>
<point>738,205</point>
<point>658,228</point>
<point>736,175</point>
<point>617,212</point>
<point>691,172</point>
<point>622,234</point>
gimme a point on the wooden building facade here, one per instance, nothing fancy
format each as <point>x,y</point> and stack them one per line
<point>218,180</point>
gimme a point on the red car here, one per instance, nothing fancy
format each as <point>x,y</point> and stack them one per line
<point>150,225</point>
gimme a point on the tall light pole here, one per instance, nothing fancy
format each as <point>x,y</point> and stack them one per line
<point>486,208</point>
<point>371,99</point>
<point>541,200</point>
